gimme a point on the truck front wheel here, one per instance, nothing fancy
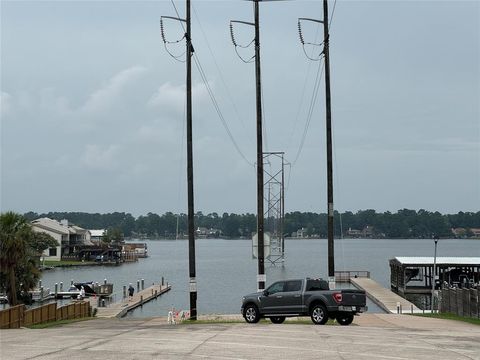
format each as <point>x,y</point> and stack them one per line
<point>345,318</point>
<point>251,314</point>
<point>319,314</point>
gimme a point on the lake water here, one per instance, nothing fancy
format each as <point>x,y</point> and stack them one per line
<point>226,270</point>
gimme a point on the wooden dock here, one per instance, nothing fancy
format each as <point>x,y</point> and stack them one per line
<point>119,309</point>
<point>384,298</point>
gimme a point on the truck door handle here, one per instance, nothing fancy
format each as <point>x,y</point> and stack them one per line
<point>279,296</point>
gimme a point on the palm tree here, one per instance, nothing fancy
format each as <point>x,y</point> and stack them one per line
<point>14,234</point>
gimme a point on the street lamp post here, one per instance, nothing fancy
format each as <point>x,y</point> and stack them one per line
<point>435,239</point>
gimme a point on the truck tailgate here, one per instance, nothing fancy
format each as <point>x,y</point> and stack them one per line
<point>354,297</point>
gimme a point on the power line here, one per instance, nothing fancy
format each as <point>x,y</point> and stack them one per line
<point>217,107</point>
<point>331,16</point>
<point>302,97</point>
<point>229,95</point>
<point>212,97</point>
<point>313,100</point>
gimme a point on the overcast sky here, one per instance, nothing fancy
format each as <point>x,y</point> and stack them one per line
<point>92,106</point>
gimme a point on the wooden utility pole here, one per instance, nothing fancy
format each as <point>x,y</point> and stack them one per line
<point>331,258</point>
<point>191,218</point>
<point>261,279</point>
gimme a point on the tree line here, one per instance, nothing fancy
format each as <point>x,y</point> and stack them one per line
<point>404,223</point>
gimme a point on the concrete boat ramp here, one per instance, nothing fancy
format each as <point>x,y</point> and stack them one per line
<point>119,309</point>
<point>385,298</point>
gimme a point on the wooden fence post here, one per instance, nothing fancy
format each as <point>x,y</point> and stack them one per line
<point>452,301</point>
<point>458,299</point>
<point>473,303</point>
<point>444,301</point>
<point>466,302</point>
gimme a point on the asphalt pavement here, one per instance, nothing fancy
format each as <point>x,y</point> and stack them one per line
<point>371,336</point>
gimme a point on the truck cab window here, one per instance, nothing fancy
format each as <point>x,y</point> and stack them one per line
<point>293,285</point>
<point>276,287</point>
<point>315,285</point>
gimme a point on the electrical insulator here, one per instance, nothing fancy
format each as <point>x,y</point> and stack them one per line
<point>300,32</point>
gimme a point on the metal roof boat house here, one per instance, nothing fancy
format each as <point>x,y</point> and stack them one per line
<point>414,275</point>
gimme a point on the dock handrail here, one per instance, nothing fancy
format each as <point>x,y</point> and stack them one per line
<point>344,276</point>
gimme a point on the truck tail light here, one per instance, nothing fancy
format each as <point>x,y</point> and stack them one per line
<point>337,297</point>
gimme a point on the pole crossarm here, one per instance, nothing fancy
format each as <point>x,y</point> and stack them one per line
<point>173,18</point>
<point>241,22</point>
<point>308,19</point>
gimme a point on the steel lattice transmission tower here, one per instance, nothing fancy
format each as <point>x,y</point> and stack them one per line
<point>274,197</point>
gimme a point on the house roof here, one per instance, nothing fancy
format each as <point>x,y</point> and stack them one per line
<point>51,225</point>
<point>428,260</point>
<point>77,229</point>
<point>97,232</point>
<point>57,227</point>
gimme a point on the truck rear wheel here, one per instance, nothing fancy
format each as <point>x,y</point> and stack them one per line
<point>277,319</point>
<point>319,314</point>
<point>251,314</point>
<point>344,319</point>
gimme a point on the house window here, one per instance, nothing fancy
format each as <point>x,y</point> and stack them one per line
<point>52,252</point>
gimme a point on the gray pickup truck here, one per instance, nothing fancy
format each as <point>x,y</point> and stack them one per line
<point>304,297</point>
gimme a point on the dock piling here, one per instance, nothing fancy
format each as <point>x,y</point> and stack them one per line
<point>124,291</point>
<point>141,300</point>
<point>56,289</point>
<point>162,281</point>
<point>143,284</point>
<point>104,281</point>
<point>61,286</point>
<point>138,285</point>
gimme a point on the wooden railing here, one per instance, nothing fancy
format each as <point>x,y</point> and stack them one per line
<point>19,315</point>
<point>461,302</point>
<point>344,276</point>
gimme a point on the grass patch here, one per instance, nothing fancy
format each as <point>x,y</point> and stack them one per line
<point>57,323</point>
<point>448,316</point>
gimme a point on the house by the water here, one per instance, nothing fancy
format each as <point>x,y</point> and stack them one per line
<point>67,236</point>
<point>414,275</point>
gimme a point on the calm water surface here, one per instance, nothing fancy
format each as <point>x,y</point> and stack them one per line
<point>226,270</point>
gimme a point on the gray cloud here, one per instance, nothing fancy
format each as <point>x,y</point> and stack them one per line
<point>92,107</point>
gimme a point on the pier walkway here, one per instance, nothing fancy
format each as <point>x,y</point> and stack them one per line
<point>119,309</point>
<point>384,298</point>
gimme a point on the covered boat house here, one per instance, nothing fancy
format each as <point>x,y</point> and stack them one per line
<point>414,275</point>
